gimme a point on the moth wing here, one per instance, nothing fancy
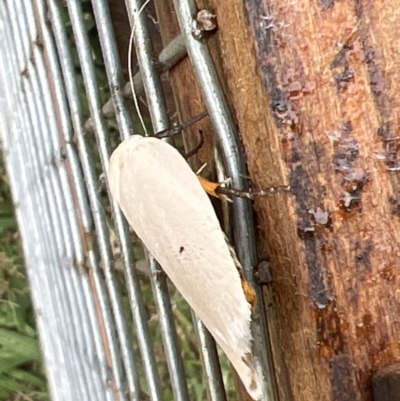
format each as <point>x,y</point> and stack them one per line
<point>165,204</point>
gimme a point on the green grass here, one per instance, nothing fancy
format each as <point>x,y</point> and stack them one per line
<point>21,369</point>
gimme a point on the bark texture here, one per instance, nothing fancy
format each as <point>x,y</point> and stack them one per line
<point>315,90</point>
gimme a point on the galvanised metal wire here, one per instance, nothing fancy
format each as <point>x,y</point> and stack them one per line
<point>85,336</point>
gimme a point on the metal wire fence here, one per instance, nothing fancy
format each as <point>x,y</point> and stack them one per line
<point>93,320</point>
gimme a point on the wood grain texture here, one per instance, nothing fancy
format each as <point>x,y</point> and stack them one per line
<point>315,92</point>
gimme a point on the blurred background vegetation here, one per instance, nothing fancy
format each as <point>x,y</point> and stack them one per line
<point>22,375</point>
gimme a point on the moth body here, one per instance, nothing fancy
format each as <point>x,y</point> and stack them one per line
<point>165,204</point>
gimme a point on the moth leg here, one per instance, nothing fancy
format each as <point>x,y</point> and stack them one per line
<point>197,148</point>
<point>179,128</point>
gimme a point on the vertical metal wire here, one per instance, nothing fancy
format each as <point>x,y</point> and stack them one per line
<point>80,324</point>
<point>20,37</point>
<point>210,360</point>
<point>64,196</point>
<point>49,214</point>
<point>80,285</point>
<point>220,115</point>
<point>99,218</point>
<point>10,89</point>
<point>159,117</point>
<point>151,79</point>
<point>37,179</point>
<point>114,73</point>
<point>91,86</point>
<point>168,331</point>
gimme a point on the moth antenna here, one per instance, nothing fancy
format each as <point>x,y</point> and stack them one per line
<point>130,49</point>
<point>217,189</point>
<point>232,192</point>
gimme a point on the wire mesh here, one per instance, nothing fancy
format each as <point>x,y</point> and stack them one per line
<point>94,321</point>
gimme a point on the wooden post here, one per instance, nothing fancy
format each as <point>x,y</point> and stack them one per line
<point>386,383</point>
<point>314,87</point>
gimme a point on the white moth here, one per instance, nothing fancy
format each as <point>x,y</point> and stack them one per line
<point>167,207</point>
